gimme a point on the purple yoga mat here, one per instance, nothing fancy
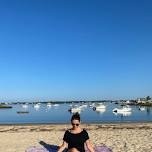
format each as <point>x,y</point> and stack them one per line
<point>102,148</point>
<point>36,149</point>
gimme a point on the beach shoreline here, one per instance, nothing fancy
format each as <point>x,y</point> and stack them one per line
<point>85,123</point>
<point>120,137</point>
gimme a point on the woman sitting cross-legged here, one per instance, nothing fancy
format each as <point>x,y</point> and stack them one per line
<point>75,138</point>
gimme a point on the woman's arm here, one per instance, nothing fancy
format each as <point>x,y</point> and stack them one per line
<point>62,147</point>
<point>89,146</point>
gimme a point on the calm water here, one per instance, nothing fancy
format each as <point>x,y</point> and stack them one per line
<point>60,114</point>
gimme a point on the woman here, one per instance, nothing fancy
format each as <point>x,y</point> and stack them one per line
<point>75,138</point>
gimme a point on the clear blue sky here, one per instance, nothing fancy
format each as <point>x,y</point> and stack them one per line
<point>75,49</point>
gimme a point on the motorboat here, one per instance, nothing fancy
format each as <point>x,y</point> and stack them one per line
<point>123,113</point>
<point>37,106</point>
<point>49,105</point>
<point>25,106</point>
<point>22,112</point>
<point>99,106</point>
<point>101,110</point>
<point>55,105</point>
<point>83,106</point>
<point>142,108</point>
<point>75,110</point>
<point>92,105</point>
<point>124,109</point>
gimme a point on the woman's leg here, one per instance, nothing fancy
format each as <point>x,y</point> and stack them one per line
<point>73,150</point>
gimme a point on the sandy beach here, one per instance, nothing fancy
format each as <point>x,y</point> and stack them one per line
<point>126,137</point>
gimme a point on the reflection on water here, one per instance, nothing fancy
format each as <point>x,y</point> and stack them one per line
<point>59,113</point>
<point>148,110</point>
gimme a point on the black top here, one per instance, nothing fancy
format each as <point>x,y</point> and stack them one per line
<point>76,140</point>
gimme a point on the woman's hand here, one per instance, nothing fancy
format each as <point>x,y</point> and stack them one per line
<point>89,146</point>
<point>62,147</point>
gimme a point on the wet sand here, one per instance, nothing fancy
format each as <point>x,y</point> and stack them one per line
<point>124,137</point>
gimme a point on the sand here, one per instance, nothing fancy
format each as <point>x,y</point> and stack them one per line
<point>126,137</point>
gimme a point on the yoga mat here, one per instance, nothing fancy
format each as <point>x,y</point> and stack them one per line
<point>36,149</point>
<point>102,148</point>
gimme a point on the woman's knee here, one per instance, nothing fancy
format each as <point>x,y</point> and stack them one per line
<point>73,150</point>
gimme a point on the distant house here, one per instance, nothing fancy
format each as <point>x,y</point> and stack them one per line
<point>131,102</point>
<point>147,99</point>
<point>141,100</point>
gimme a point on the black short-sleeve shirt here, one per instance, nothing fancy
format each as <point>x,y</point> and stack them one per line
<point>76,140</point>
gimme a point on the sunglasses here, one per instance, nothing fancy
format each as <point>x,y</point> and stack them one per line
<point>75,124</point>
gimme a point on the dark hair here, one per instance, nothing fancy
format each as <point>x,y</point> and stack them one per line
<point>75,116</point>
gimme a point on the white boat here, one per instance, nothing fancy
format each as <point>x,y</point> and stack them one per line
<point>99,107</point>
<point>25,106</point>
<point>49,105</point>
<point>83,106</point>
<point>55,105</point>
<point>101,110</point>
<point>92,105</point>
<point>142,108</point>
<point>74,110</point>
<point>37,106</point>
<point>123,113</point>
<point>125,109</point>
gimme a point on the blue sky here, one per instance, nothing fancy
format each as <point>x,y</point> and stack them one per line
<point>75,50</point>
